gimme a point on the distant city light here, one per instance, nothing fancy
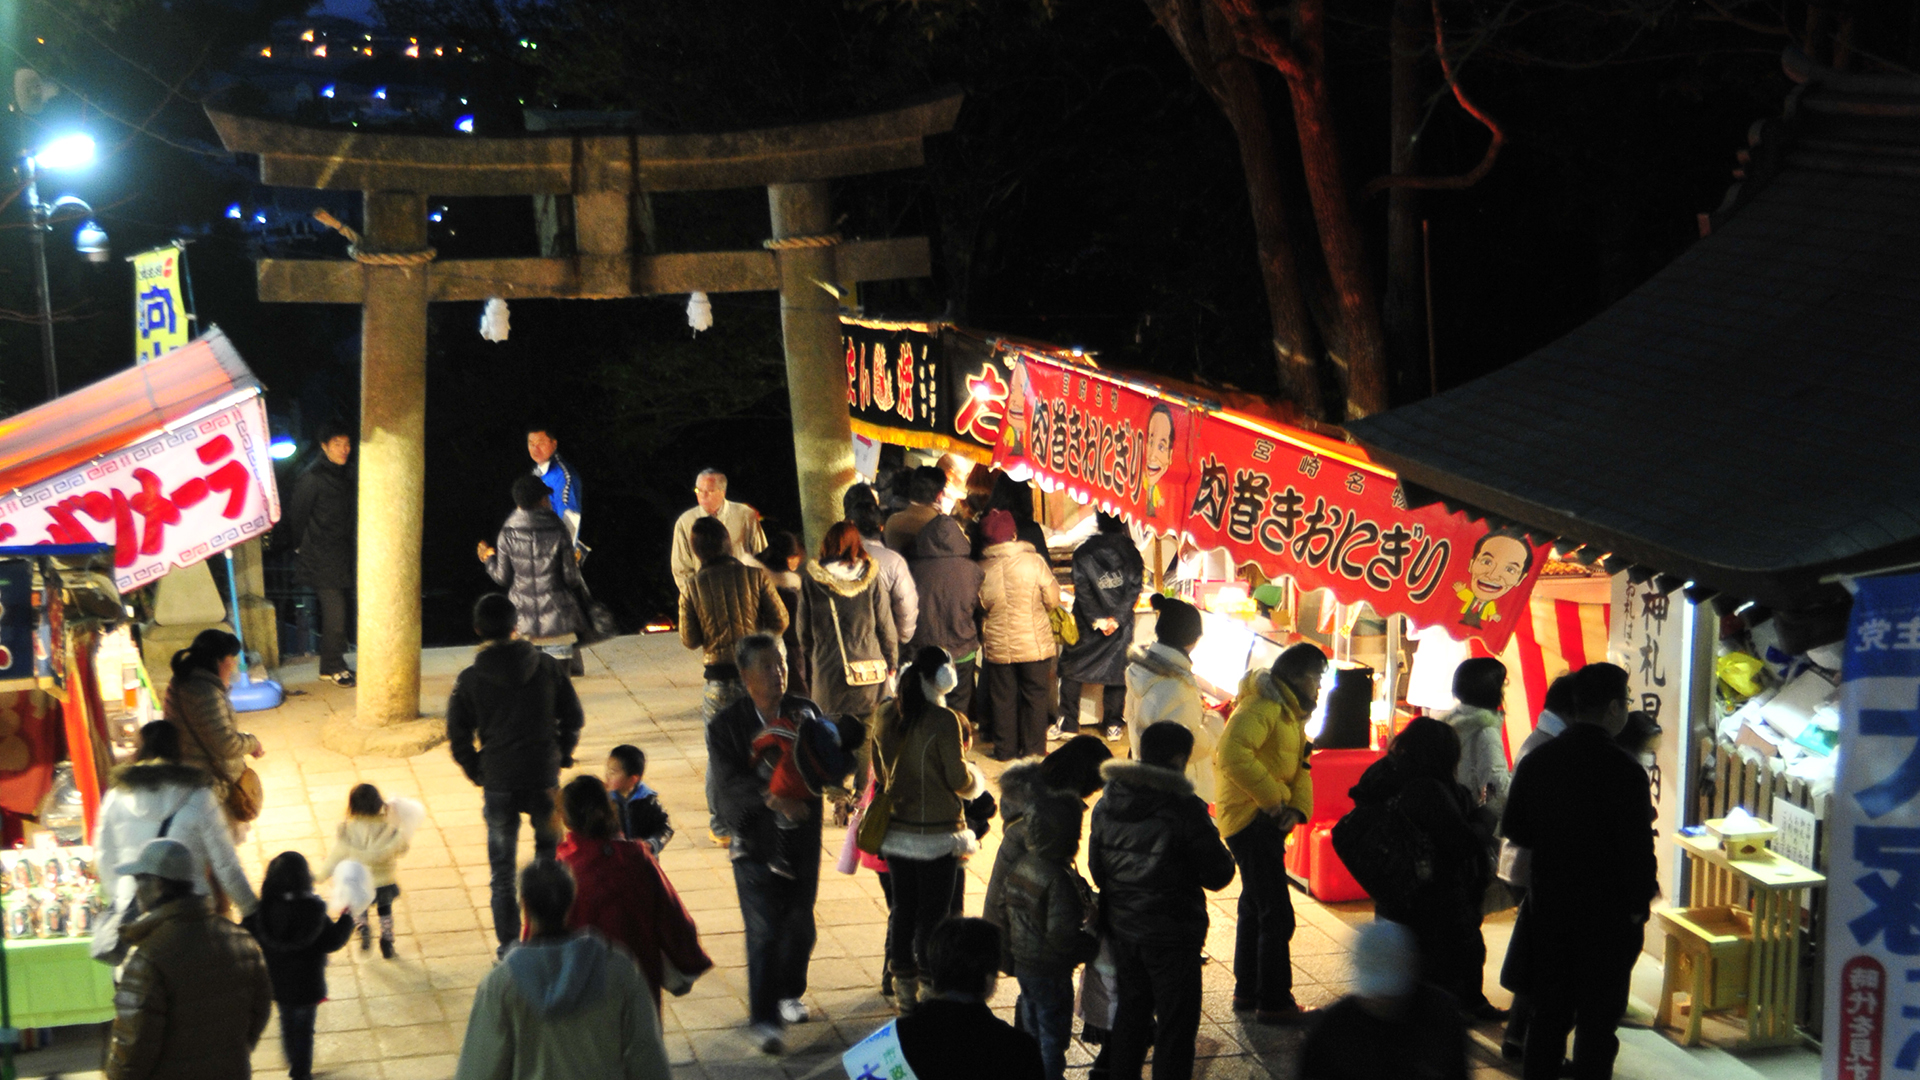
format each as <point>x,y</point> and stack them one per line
<point>320,51</point>
<point>326,91</point>
<point>439,51</point>
<point>307,36</point>
<point>379,93</point>
<point>436,216</point>
<point>413,51</point>
<point>282,448</point>
<point>259,217</point>
<point>267,52</point>
<point>234,211</point>
<point>465,124</point>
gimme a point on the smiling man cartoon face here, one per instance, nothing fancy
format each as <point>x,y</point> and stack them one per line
<point>1500,562</point>
<point>1156,458</point>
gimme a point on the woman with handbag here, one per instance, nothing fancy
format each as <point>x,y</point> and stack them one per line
<point>923,781</point>
<point>1017,646</point>
<point>210,739</point>
<point>846,626</point>
<point>151,797</point>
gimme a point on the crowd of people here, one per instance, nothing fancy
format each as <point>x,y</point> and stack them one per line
<point>865,682</point>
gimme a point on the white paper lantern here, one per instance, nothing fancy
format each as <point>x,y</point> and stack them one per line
<point>699,312</point>
<point>493,320</point>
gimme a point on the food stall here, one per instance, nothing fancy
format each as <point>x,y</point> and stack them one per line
<point>102,492</point>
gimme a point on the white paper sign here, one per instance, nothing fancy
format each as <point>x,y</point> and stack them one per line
<point>1796,838</point>
<point>878,1057</point>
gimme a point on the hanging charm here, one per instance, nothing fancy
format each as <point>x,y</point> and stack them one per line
<point>493,320</point>
<point>699,312</point>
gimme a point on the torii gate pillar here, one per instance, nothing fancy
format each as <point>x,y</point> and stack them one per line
<point>608,175</point>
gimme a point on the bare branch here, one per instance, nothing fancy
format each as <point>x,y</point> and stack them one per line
<point>1472,176</point>
<point>1259,40</point>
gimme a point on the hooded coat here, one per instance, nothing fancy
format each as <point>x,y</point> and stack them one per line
<point>1016,593</point>
<point>1153,851</point>
<point>1483,755</point>
<point>1107,575</point>
<point>295,935</point>
<point>852,597</point>
<point>1261,759</point>
<point>1020,785</point>
<point>561,1010</point>
<point>144,795</point>
<point>949,584</point>
<point>1047,901</point>
<point>622,894</point>
<point>1160,687</point>
<point>522,706</point>
<point>320,522</point>
<point>192,999</point>
<point>373,842</point>
<point>533,560</point>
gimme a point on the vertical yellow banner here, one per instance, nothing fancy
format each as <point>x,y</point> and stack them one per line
<point>159,303</point>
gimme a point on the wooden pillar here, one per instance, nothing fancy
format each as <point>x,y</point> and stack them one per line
<point>393,420</point>
<point>816,374</point>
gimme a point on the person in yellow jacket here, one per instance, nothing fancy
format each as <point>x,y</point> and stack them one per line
<point>1265,788</point>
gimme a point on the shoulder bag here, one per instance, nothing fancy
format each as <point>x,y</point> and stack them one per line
<point>244,794</point>
<point>856,672</point>
<point>106,946</point>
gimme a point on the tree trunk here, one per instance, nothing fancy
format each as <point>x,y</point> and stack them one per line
<point>1294,353</point>
<point>1405,310</point>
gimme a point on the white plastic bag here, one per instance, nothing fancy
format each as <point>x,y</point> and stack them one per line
<point>352,888</point>
<point>407,816</point>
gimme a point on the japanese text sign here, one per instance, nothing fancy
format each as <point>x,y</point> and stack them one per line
<point>1106,442</point>
<point>1873,903</point>
<point>159,303</point>
<point>878,1057</point>
<point>172,500</point>
<point>934,389</point>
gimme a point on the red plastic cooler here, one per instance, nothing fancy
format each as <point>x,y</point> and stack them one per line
<point>1310,857</point>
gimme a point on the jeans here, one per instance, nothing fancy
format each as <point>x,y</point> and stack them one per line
<point>778,913</point>
<point>1018,696</point>
<point>1262,945</point>
<point>1045,1011</point>
<point>719,694</point>
<point>1113,705</point>
<point>335,604</point>
<point>1159,1000</point>
<point>922,898</point>
<point>1580,982</point>
<point>502,810</point>
<point>296,1038</point>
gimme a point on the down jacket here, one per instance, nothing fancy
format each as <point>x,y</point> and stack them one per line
<point>533,560</point>
<point>852,597</point>
<point>1160,687</point>
<point>373,842</point>
<point>296,936</point>
<point>192,999</point>
<point>1153,851</point>
<point>1017,592</point>
<point>726,601</point>
<point>1261,759</point>
<point>210,737</point>
<point>1020,785</point>
<point>143,796</point>
<point>1047,902</point>
<point>948,581</point>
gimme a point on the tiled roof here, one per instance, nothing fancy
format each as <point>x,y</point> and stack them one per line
<point>1750,416</point>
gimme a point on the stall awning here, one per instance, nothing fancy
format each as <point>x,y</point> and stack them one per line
<point>121,409</point>
<point>1744,419</point>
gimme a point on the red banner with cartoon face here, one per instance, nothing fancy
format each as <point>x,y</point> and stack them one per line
<point>1325,515</point>
<point>1108,443</point>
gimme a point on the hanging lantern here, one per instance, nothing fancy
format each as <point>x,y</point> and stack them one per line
<point>699,312</point>
<point>493,320</point>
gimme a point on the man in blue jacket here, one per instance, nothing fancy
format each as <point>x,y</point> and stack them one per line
<point>559,477</point>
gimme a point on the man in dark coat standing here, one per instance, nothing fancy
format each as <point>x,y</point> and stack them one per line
<point>1583,806</point>
<point>1107,573</point>
<point>320,520</point>
<point>948,581</point>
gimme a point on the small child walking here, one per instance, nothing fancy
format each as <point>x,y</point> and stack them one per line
<point>640,814</point>
<point>1050,921</point>
<point>295,934</point>
<point>800,757</point>
<point>372,837</point>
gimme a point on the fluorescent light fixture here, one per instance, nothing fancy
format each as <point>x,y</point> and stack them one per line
<point>75,151</point>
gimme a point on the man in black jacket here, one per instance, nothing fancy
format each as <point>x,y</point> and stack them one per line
<point>777,910</point>
<point>1107,573</point>
<point>1154,849</point>
<point>953,1035</point>
<point>521,704</point>
<point>1583,807</point>
<point>320,522</point>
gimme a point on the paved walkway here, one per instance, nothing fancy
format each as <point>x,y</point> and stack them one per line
<point>404,1019</point>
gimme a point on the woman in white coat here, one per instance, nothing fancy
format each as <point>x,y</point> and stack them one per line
<point>156,791</point>
<point>1160,687</point>
<point>1480,685</point>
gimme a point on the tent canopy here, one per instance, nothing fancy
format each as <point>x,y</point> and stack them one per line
<point>121,409</point>
<point>1744,419</point>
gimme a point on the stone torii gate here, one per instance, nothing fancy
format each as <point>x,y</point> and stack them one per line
<point>608,176</point>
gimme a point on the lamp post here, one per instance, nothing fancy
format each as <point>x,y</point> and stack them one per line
<point>67,152</point>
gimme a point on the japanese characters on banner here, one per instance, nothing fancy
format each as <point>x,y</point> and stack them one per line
<point>173,500</point>
<point>930,388</point>
<point>1873,882</point>
<point>1647,636</point>
<point>1106,442</point>
<point>160,322</point>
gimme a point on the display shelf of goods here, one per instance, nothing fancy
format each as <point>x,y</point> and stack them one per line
<point>50,898</point>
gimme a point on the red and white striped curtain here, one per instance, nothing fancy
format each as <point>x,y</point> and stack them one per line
<point>1558,636</point>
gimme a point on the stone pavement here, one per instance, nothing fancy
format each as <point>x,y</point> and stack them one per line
<point>404,1019</point>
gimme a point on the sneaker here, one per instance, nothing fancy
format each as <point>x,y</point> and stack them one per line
<point>340,678</point>
<point>1055,733</point>
<point>767,1038</point>
<point>1115,733</point>
<point>386,948</point>
<point>719,839</point>
<point>794,1011</point>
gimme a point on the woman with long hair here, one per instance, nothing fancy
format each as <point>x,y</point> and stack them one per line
<point>197,703</point>
<point>919,761</point>
<point>846,625</point>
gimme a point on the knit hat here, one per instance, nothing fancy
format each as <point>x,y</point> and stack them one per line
<point>1179,622</point>
<point>1384,959</point>
<point>997,527</point>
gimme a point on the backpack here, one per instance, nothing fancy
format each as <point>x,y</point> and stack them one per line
<point>1389,854</point>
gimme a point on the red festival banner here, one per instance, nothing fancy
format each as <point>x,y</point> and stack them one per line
<point>1317,511</point>
<point>1108,443</point>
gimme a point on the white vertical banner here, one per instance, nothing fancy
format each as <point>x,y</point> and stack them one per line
<point>1872,1026</point>
<point>1647,635</point>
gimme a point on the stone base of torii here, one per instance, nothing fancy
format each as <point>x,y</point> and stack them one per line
<point>607,175</point>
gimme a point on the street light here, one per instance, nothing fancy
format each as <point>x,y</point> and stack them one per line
<point>64,154</point>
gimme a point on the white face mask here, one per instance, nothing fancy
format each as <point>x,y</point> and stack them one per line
<point>1646,760</point>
